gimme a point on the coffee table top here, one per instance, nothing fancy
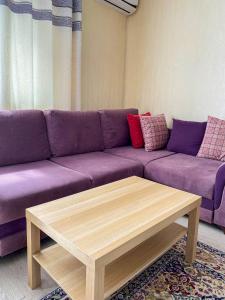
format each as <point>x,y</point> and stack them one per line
<point>104,222</point>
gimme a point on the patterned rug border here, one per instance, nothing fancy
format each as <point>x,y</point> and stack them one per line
<point>148,273</point>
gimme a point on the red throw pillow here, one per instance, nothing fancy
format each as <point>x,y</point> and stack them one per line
<point>135,130</point>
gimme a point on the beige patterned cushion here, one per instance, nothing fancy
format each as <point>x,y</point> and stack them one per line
<point>213,144</point>
<point>155,132</point>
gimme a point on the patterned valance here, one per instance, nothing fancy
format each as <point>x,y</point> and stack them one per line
<point>65,13</point>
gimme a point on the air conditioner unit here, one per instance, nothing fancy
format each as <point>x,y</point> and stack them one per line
<point>126,7</point>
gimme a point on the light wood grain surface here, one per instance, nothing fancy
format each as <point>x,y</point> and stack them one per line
<point>34,243</point>
<point>98,222</point>
<point>106,229</point>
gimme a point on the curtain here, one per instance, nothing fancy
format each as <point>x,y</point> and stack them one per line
<point>40,54</point>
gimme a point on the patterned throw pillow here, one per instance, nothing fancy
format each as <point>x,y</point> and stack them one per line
<point>213,144</point>
<point>155,132</point>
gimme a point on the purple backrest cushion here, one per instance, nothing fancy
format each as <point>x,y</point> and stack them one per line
<point>115,127</point>
<point>74,132</point>
<point>186,136</point>
<point>23,137</point>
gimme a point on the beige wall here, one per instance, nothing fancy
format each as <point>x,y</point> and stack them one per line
<point>103,56</point>
<point>175,60</point>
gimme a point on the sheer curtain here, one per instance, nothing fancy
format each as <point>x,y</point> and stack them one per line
<point>40,54</point>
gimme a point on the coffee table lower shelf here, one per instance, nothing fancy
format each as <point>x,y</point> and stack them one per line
<point>70,273</point>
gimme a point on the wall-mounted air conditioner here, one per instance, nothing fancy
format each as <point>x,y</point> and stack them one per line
<point>126,7</point>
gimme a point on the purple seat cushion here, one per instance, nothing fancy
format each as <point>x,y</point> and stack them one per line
<point>185,172</point>
<point>23,137</point>
<point>26,185</point>
<point>74,132</point>
<point>140,154</point>
<point>115,127</point>
<point>101,167</point>
<point>186,136</point>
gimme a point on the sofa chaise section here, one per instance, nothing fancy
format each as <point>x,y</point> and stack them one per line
<point>188,173</point>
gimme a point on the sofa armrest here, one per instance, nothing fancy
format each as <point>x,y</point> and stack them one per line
<point>219,214</point>
<point>219,186</point>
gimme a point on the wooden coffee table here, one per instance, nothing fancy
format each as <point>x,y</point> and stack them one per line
<point>107,235</point>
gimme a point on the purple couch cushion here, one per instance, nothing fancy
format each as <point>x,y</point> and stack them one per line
<point>185,172</point>
<point>101,167</point>
<point>186,136</point>
<point>115,127</point>
<point>23,137</point>
<point>26,185</point>
<point>140,154</point>
<point>74,132</point>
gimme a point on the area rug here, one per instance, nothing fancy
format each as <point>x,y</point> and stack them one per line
<point>171,278</point>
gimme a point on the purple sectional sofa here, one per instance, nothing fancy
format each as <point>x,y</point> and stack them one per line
<point>48,155</point>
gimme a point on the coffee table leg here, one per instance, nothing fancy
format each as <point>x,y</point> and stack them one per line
<point>193,222</point>
<point>95,282</point>
<point>33,246</point>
